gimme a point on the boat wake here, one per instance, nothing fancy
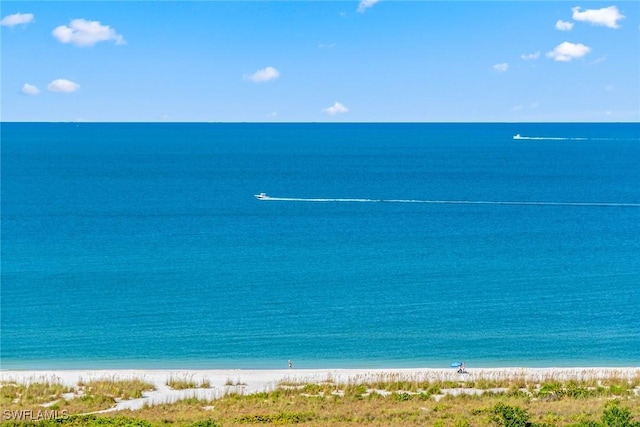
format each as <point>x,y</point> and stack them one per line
<point>450,202</point>
<point>574,138</point>
<point>548,138</point>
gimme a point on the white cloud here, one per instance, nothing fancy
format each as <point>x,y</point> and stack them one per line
<point>86,33</point>
<point>530,56</point>
<point>366,4</point>
<point>501,68</point>
<point>336,108</point>
<point>63,85</point>
<point>29,89</point>
<point>563,25</point>
<point>17,19</point>
<point>264,75</point>
<point>566,51</point>
<point>607,16</point>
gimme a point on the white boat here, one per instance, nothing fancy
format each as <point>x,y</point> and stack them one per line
<point>517,136</point>
<point>261,196</point>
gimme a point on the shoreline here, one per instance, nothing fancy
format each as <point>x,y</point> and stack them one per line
<point>221,382</point>
<point>73,376</point>
<point>7,365</point>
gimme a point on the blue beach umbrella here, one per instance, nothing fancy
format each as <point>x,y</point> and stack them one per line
<point>456,364</point>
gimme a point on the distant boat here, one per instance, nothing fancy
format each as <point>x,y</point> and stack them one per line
<point>261,196</point>
<point>517,136</point>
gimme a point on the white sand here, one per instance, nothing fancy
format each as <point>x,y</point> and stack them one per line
<point>252,381</point>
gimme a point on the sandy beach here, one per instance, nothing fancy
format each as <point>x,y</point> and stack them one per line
<point>222,382</point>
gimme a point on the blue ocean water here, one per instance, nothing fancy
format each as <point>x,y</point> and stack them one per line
<point>142,245</point>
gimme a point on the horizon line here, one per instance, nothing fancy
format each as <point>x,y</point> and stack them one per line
<point>313,122</point>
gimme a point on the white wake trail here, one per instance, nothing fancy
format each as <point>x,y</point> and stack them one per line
<point>454,202</point>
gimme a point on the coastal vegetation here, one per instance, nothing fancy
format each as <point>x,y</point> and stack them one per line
<point>47,399</point>
<point>186,382</point>
<point>612,402</point>
<point>117,389</point>
<point>31,394</point>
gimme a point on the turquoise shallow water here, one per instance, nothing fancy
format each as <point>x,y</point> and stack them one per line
<point>141,245</point>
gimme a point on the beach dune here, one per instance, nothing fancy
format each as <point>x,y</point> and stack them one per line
<point>222,382</point>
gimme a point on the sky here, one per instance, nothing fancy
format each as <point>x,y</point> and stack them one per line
<point>320,61</point>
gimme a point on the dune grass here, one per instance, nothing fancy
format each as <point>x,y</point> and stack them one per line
<point>551,403</point>
<point>186,382</point>
<point>86,397</point>
<point>12,394</point>
<point>117,389</point>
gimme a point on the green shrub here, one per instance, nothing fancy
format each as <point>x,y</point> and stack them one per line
<point>618,389</point>
<point>312,389</point>
<point>401,397</point>
<point>510,416</point>
<point>281,418</point>
<point>586,423</point>
<point>615,416</point>
<point>551,388</point>
<point>578,392</point>
<point>423,396</point>
<point>205,423</point>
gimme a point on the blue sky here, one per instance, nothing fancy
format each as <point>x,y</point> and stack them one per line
<point>321,61</point>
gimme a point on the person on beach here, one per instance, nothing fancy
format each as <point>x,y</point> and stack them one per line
<point>290,364</point>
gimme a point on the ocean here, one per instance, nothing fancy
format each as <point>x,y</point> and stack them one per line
<point>141,245</point>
